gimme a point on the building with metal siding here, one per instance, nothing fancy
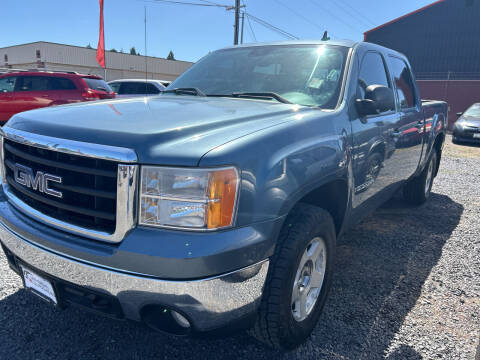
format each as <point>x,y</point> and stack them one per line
<point>59,57</point>
<point>441,40</point>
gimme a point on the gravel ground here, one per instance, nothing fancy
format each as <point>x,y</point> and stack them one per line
<point>407,286</point>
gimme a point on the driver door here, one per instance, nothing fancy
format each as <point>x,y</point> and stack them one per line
<point>371,147</point>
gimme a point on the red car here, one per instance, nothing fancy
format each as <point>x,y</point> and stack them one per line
<point>22,91</point>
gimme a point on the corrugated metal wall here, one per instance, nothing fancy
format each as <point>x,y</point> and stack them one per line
<point>442,41</point>
<point>75,58</point>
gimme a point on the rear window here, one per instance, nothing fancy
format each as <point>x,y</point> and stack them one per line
<point>97,84</point>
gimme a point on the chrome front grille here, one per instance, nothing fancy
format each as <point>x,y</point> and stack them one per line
<point>92,196</point>
<point>88,187</point>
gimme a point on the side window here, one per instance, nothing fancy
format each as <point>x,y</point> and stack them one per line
<point>152,89</point>
<point>372,72</point>
<point>58,83</point>
<point>7,84</point>
<point>132,88</point>
<point>32,83</point>
<point>403,83</point>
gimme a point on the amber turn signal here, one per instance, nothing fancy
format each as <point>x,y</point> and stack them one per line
<point>222,194</point>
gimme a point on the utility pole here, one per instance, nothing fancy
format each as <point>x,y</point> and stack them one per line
<point>243,23</point>
<point>237,22</point>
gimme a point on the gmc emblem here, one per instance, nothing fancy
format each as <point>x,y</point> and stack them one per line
<point>39,182</point>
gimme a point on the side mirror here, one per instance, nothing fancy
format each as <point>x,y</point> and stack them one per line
<point>378,99</point>
<point>459,114</point>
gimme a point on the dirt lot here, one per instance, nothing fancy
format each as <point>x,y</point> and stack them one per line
<point>407,286</point>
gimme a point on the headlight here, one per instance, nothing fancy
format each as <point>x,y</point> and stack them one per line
<point>188,198</point>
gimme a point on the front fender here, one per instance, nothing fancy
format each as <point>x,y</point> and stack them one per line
<point>281,165</point>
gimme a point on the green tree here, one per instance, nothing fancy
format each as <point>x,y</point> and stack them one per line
<point>113,50</point>
<point>170,56</point>
<point>89,46</point>
<point>133,51</point>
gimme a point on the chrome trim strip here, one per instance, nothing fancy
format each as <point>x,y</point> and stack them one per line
<point>126,212</point>
<point>3,179</point>
<point>72,147</point>
<point>209,303</point>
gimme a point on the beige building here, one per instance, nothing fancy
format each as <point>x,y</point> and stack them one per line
<point>59,57</point>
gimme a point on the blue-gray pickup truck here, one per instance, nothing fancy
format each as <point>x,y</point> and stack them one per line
<point>217,203</point>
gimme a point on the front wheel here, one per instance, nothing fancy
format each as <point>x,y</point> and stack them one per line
<point>417,190</point>
<point>298,280</point>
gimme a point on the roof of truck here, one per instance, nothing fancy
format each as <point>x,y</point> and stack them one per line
<point>347,43</point>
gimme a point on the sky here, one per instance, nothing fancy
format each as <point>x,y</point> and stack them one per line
<point>190,31</point>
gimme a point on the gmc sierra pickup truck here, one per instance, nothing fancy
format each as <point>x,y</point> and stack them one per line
<point>217,203</point>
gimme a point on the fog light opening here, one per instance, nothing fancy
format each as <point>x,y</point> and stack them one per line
<point>160,318</point>
<point>180,319</point>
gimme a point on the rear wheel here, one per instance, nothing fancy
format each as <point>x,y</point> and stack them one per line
<point>298,280</point>
<point>417,190</point>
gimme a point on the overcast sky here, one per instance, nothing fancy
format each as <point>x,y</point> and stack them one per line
<point>190,31</point>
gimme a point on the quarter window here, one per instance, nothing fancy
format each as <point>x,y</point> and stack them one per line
<point>403,83</point>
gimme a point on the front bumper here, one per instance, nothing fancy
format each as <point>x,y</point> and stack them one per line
<point>207,303</point>
<point>465,136</point>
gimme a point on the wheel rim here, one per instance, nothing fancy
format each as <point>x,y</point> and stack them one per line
<point>309,279</point>
<point>428,181</point>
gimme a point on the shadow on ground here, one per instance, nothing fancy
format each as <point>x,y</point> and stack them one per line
<point>381,267</point>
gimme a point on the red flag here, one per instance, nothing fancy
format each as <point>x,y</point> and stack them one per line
<point>101,40</point>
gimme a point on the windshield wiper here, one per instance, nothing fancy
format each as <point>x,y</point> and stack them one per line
<point>186,90</point>
<point>261,95</point>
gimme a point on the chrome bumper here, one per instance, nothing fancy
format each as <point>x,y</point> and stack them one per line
<point>209,303</point>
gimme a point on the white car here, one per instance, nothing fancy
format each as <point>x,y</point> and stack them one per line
<point>136,87</point>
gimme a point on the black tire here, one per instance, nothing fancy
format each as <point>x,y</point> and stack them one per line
<point>275,324</point>
<point>417,191</point>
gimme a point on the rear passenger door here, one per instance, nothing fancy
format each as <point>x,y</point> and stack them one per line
<point>62,91</point>
<point>370,148</point>
<point>407,137</point>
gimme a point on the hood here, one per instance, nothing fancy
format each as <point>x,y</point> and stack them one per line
<point>470,121</point>
<point>163,130</point>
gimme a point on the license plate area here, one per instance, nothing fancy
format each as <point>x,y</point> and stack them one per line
<point>476,136</point>
<point>39,285</point>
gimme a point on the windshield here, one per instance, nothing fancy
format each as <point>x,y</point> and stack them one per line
<point>308,75</point>
<point>473,111</point>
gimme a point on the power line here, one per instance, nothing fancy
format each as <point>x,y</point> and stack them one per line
<point>271,27</point>
<point>363,16</point>
<point>249,23</point>
<point>300,15</point>
<point>352,13</point>
<point>336,17</point>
